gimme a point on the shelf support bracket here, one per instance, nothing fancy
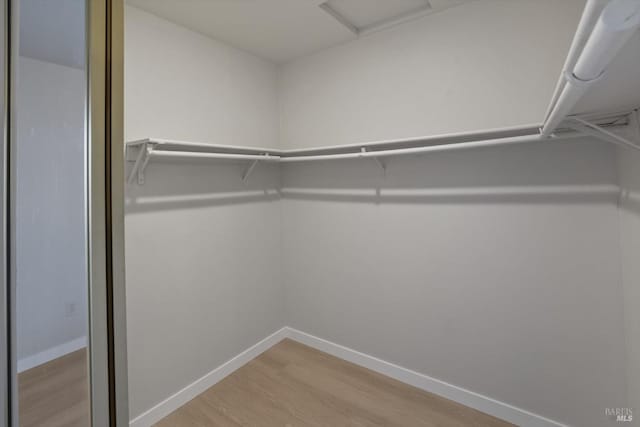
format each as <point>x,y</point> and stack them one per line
<point>381,163</point>
<point>247,172</point>
<point>599,132</point>
<point>136,164</point>
<point>140,163</point>
<point>635,122</point>
<point>145,161</point>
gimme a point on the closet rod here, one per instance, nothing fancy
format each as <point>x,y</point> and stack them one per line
<point>590,14</point>
<point>177,145</point>
<point>616,24</point>
<point>229,156</point>
<point>152,149</point>
<point>430,148</point>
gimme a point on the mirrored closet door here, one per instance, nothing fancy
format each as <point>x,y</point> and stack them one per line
<point>51,299</point>
<point>60,215</point>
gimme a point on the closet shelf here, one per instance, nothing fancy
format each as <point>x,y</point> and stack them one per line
<point>140,152</point>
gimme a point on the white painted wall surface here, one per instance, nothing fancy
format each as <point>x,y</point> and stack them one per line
<point>464,69</point>
<point>50,226</point>
<point>203,249</point>
<point>496,270</point>
<point>203,274</point>
<point>629,162</point>
<point>182,85</point>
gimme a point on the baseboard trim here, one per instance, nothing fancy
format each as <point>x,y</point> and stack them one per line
<point>183,396</point>
<point>50,354</point>
<point>465,397</point>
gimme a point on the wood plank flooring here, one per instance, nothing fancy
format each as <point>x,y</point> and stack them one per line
<point>55,394</point>
<point>293,385</point>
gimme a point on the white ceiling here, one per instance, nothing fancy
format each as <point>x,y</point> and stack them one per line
<point>364,14</point>
<point>281,30</point>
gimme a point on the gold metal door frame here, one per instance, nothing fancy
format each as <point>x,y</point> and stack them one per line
<point>105,161</point>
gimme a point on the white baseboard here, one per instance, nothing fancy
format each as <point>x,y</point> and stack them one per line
<point>172,403</point>
<point>50,354</point>
<point>465,397</point>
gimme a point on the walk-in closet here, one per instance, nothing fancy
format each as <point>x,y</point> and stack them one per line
<point>330,213</point>
<point>444,193</point>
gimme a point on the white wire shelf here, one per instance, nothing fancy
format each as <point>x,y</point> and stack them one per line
<point>142,151</point>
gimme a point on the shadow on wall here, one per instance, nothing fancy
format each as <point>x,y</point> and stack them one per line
<point>630,201</point>
<point>558,172</point>
<point>575,171</point>
<point>198,184</point>
<point>630,182</point>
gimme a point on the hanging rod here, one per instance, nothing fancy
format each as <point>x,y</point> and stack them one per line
<point>615,25</point>
<point>590,14</point>
<point>428,149</point>
<point>226,156</point>
<point>176,145</point>
<point>148,149</point>
<point>155,148</point>
<point>162,145</point>
<point>200,155</point>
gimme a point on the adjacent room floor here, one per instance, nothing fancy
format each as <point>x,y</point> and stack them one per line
<point>294,385</point>
<point>55,394</point>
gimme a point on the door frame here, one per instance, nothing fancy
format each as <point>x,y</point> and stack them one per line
<point>6,361</point>
<point>105,162</point>
<point>104,165</point>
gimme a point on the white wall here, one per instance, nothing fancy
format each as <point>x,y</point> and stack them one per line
<point>629,162</point>
<point>50,218</point>
<point>54,31</point>
<point>495,270</point>
<point>484,65</point>
<point>203,249</point>
<point>203,274</point>
<point>182,85</point>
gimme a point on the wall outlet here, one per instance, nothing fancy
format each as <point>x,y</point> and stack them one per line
<point>70,309</point>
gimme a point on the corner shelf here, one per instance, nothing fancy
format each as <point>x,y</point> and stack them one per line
<point>140,152</point>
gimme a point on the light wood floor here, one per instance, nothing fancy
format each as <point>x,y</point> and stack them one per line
<point>293,385</point>
<point>56,393</point>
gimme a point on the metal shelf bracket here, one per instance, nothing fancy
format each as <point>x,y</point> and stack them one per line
<point>601,133</point>
<point>140,164</point>
<point>381,163</point>
<point>635,122</point>
<point>248,170</point>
